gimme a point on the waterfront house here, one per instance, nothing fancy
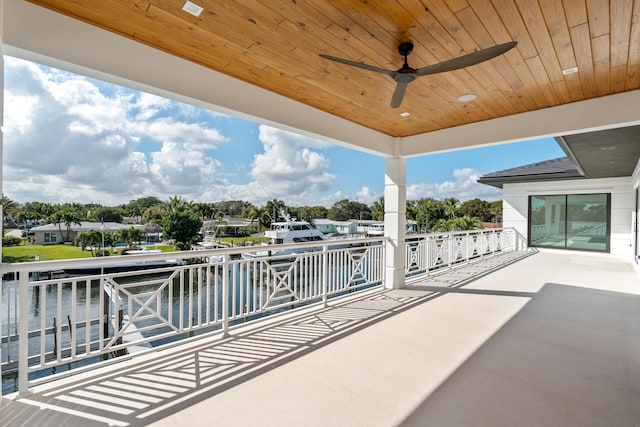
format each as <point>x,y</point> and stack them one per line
<point>50,234</point>
<point>328,226</point>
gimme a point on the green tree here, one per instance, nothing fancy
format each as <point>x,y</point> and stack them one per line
<point>377,209</point>
<point>8,207</point>
<point>466,222</point>
<point>91,239</point>
<point>319,212</point>
<point>496,211</point>
<point>40,210</point>
<point>411,209</point>
<point>175,204</point>
<point>183,226</point>
<point>233,208</point>
<point>457,224</point>
<point>136,208</point>
<point>205,210</point>
<point>345,210</point>
<point>257,214</point>
<point>272,211</point>
<point>153,215</point>
<point>480,209</point>
<point>130,236</point>
<point>428,212</point>
<point>107,214</point>
<point>451,207</point>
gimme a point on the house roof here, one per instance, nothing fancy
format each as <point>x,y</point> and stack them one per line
<point>554,169</point>
<point>230,222</point>
<point>86,226</point>
<point>606,153</point>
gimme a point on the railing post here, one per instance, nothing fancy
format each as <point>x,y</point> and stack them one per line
<point>450,251</point>
<point>23,334</point>
<point>467,238</point>
<point>494,237</point>
<point>225,295</point>
<point>325,275</point>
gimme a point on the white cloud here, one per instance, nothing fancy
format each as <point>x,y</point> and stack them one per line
<point>182,171</point>
<point>464,187</point>
<point>367,196</point>
<point>69,138</point>
<point>288,168</point>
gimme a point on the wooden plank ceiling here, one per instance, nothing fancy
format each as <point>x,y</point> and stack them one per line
<point>276,44</point>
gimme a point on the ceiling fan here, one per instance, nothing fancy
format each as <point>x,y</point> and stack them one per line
<point>406,74</point>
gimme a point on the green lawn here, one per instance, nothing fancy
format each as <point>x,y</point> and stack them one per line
<point>27,253</point>
<point>242,241</point>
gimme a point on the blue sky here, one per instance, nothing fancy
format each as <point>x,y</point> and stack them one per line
<point>69,138</point>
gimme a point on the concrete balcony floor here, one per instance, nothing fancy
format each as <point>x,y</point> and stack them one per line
<point>550,340</point>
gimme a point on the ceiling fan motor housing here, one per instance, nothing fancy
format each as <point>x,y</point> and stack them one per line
<point>405,48</point>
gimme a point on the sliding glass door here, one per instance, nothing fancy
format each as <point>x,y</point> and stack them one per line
<point>570,221</point>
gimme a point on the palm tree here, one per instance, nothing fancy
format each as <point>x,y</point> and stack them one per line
<point>206,210</point>
<point>174,204</point>
<point>468,223</point>
<point>444,225</point>
<point>90,239</point>
<point>7,207</point>
<point>130,236</point>
<point>451,207</point>
<point>427,212</point>
<point>377,209</point>
<point>256,213</point>
<point>458,224</point>
<point>68,216</point>
<point>272,210</point>
<point>138,235</point>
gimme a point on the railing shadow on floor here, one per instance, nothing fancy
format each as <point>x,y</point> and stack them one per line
<point>142,392</point>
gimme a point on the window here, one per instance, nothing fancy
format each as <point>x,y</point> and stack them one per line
<point>570,221</point>
<point>50,237</point>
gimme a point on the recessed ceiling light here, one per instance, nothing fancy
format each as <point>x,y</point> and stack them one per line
<point>570,70</point>
<point>405,114</point>
<point>192,8</point>
<point>467,97</point>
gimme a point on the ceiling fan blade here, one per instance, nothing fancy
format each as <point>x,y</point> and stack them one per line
<point>398,95</point>
<point>359,65</point>
<point>467,60</point>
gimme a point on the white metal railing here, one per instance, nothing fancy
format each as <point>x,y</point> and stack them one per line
<point>78,318</point>
<point>82,317</point>
<point>434,251</point>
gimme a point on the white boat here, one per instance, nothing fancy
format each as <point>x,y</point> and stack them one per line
<point>288,231</point>
<point>375,230</point>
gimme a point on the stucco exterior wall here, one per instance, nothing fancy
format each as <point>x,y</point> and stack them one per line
<point>516,199</point>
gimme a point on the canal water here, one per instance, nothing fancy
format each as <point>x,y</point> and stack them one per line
<point>45,312</point>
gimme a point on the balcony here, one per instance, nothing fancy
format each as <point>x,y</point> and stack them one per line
<point>485,335</point>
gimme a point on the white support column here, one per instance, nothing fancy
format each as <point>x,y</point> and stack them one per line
<point>395,221</point>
